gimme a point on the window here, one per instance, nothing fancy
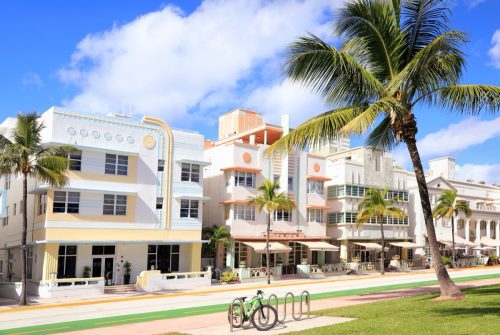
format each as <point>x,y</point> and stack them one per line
<point>244,179</point>
<point>227,212</point>
<point>281,215</point>
<point>242,212</point>
<point>240,254</point>
<point>290,183</point>
<point>315,186</point>
<point>161,165</point>
<point>5,220</point>
<point>314,215</point>
<point>66,202</point>
<point>116,164</point>
<point>103,250</point>
<point>29,263</point>
<point>159,203</point>
<point>42,203</point>
<point>14,209</point>
<point>7,182</point>
<point>276,178</point>
<point>75,160</point>
<point>190,172</point>
<point>189,208</point>
<point>114,204</point>
<point>66,263</point>
<point>163,257</point>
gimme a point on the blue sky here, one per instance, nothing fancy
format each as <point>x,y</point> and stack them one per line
<point>189,61</point>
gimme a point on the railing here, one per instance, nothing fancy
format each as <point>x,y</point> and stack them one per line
<point>151,281</point>
<point>469,262</point>
<point>183,275</point>
<point>262,271</point>
<point>414,263</point>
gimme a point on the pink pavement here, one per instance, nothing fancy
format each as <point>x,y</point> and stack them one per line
<point>184,324</point>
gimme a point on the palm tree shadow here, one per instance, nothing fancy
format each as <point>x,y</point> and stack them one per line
<point>475,311</point>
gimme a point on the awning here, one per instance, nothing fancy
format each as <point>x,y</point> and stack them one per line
<point>241,169</point>
<point>320,246</point>
<point>484,248</point>
<point>490,242</point>
<point>406,245</point>
<point>371,246</point>
<point>274,247</point>
<point>459,241</point>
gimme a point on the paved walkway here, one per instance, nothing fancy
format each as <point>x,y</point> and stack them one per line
<point>216,323</point>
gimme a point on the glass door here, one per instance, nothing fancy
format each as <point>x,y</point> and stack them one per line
<point>97,267</point>
<point>103,267</point>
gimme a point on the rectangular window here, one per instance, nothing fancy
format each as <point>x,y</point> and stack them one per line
<point>290,184</point>
<point>116,164</point>
<point>7,182</point>
<point>5,220</point>
<point>114,204</point>
<point>161,165</point>
<point>281,215</point>
<point>75,160</point>
<point>315,186</point>
<point>242,212</point>
<point>103,250</point>
<point>314,215</point>
<point>66,265</point>
<point>66,202</point>
<point>189,208</point>
<point>244,179</point>
<point>190,172</point>
<point>159,203</point>
<point>163,257</point>
<point>14,209</point>
<point>42,203</point>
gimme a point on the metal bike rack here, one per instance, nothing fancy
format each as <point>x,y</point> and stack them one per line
<point>231,309</point>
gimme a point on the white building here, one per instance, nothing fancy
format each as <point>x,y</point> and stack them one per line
<point>134,194</point>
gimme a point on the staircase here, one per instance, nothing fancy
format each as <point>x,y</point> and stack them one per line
<point>120,289</point>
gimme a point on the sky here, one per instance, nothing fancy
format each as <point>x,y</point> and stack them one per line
<point>190,61</point>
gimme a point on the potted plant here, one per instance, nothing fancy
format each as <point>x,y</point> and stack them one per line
<point>446,261</point>
<point>128,269</point>
<point>108,278</point>
<point>86,271</point>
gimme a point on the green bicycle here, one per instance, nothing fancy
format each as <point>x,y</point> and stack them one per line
<point>262,316</point>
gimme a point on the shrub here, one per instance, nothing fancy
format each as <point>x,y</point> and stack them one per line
<point>446,260</point>
<point>229,276</point>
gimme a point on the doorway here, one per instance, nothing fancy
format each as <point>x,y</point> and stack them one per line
<point>103,267</point>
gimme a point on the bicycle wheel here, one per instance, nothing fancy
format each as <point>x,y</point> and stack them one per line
<point>235,318</point>
<point>264,317</point>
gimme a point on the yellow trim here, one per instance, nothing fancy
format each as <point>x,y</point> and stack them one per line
<point>106,234</point>
<point>168,164</point>
<point>131,176</point>
<point>50,253</point>
<point>226,289</point>
<point>195,257</point>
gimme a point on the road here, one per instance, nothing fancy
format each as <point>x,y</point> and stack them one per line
<point>215,298</point>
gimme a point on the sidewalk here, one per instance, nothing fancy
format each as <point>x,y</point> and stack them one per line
<point>216,323</point>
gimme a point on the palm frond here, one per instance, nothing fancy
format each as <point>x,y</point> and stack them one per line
<point>334,74</point>
<point>382,136</point>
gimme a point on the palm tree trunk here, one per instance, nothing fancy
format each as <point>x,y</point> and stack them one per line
<point>452,241</point>
<point>24,288</point>
<point>268,230</point>
<point>446,285</point>
<point>381,220</point>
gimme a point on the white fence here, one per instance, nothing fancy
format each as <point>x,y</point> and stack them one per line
<point>55,288</point>
<point>152,281</point>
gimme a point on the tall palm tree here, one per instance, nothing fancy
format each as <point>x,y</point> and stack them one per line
<point>396,56</point>
<point>218,235</point>
<point>448,207</point>
<point>376,205</point>
<point>24,154</point>
<point>270,199</point>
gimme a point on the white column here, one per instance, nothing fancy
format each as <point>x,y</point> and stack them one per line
<point>467,234</point>
<point>497,235</point>
<point>478,236</point>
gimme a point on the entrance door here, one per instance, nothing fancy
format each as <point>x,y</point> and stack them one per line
<point>365,256</point>
<point>103,267</point>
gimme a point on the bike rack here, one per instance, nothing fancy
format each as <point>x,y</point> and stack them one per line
<point>305,297</point>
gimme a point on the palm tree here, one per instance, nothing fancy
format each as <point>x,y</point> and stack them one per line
<point>270,199</point>
<point>397,55</point>
<point>217,236</point>
<point>376,205</point>
<point>23,154</point>
<point>448,207</point>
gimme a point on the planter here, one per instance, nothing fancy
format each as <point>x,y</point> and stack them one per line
<point>126,279</point>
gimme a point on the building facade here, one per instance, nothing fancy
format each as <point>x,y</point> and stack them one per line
<point>134,194</point>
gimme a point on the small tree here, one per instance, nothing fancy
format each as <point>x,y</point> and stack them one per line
<point>448,207</point>
<point>24,155</point>
<point>270,199</point>
<point>218,235</point>
<point>376,205</point>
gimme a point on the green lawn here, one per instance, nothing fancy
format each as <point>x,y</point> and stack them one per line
<point>478,313</point>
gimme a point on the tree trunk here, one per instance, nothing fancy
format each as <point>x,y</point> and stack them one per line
<point>452,241</point>
<point>382,262</point>
<point>446,285</point>
<point>268,230</point>
<point>24,263</point>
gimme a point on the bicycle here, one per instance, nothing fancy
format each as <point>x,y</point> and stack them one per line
<point>262,316</point>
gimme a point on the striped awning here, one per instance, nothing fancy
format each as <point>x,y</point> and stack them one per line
<point>371,246</point>
<point>274,247</point>
<point>320,246</point>
<point>406,245</point>
<point>490,242</point>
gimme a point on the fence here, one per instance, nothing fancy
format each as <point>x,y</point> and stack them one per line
<point>151,281</point>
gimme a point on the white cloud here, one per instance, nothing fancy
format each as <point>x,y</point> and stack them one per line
<point>455,138</point>
<point>477,172</point>
<point>474,3</point>
<point>494,52</point>
<point>32,79</point>
<point>168,64</point>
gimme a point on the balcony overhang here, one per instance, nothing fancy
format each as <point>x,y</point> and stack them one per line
<point>193,161</point>
<point>319,178</point>
<point>91,186</point>
<point>241,168</point>
<point>317,207</point>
